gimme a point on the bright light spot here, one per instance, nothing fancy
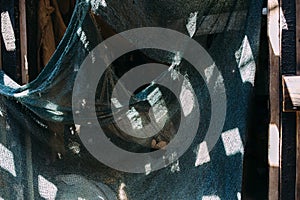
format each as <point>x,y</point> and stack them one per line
<point>80,198</point>
<point>1,198</point>
<point>135,119</point>
<point>219,82</point>
<point>7,160</point>
<point>176,61</point>
<point>77,128</point>
<point>283,24</point>
<point>9,82</point>
<point>158,105</point>
<point>209,72</point>
<point>97,3</point>
<point>232,142</point>
<point>101,198</point>
<point>81,34</point>
<point>122,194</point>
<point>175,167</point>
<point>83,103</point>
<point>202,155</point>
<point>186,98</point>
<point>55,112</point>
<point>170,159</point>
<point>51,106</point>
<point>246,62</point>
<point>192,24</point>
<point>92,56</point>
<point>116,103</point>
<point>273,155</point>
<point>154,96</point>
<point>1,114</point>
<point>148,168</point>
<point>22,94</point>
<point>239,196</point>
<point>47,189</point>
<point>160,112</point>
<point>7,31</point>
<point>212,197</point>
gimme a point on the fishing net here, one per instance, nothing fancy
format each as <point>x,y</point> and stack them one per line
<point>42,155</point>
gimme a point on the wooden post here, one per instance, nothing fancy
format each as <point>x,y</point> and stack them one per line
<point>25,79</point>
<point>23,41</point>
<point>297,189</point>
<point>274,151</point>
<point>0,54</point>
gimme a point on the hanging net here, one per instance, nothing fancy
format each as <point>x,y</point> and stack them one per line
<point>41,151</point>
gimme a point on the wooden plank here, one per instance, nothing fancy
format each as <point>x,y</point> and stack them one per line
<point>0,54</point>
<point>25,79</point>
<point>274,147</point>
<point>274,26</point>
<point>298,36</point>
<point>297,189</point>
<point>291,93</point>
<point>23,41</point>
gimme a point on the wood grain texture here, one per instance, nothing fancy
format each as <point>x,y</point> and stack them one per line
<point>274,74</point>
<point>23,41</point>
<point>291,93</point>
<point>297,189</point>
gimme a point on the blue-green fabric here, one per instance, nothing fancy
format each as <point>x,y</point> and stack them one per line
<point>25,109</point>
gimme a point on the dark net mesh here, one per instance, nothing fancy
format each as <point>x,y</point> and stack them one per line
<point>41,154</point>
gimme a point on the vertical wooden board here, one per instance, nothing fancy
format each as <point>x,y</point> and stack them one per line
<point>298,36</point>
<point>297,189</point>
<point>0,55</point>
<point>274,74</point>
<point>32,24</point>
<point>23,41</point>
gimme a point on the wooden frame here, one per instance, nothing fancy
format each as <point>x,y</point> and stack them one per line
<point>291,93</point>
<point>297,189</point>
<point>274,147</point>
<point>23,41</point>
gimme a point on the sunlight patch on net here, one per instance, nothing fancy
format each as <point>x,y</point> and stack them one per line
<point>246,62</point>
<point>232,142</point>
<point>22,94</point>
<point>239,196</point>
<point>47,189</point>
<point>186,98</point>
<point>135,118</point>
<point>202,155</point>
<point>148,168</point>
<point>211,197</point>
<point>209,71</point>
<point>7,160</point>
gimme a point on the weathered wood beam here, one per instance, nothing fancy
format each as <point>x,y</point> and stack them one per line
<point>25,79</point>
<point>297,185</point>
<point>23,41</point>
<point>0,54</point>
<point>274,147</point>
<point>291,93</point>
